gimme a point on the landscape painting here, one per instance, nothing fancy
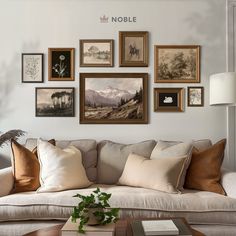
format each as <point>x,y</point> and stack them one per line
<point>177,64</point>
<point>96,53</point>
<point>113,98</point>
<point>55,102</point>
<point>60,64</point>
<point>133,48</point>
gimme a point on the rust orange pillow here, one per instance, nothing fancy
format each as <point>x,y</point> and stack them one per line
<point>25,168</point>
<point>204,172</point>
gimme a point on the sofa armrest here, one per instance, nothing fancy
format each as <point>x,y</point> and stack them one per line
<point>228,182</point>
<point>6,181</point>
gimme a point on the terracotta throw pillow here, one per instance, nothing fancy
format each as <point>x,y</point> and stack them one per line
<point>204,172</point>
<point>25,168</point>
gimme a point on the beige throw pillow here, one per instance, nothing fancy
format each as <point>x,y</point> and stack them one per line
<point>60,169</point>
<point>170,149</point>
<point>162,174</point>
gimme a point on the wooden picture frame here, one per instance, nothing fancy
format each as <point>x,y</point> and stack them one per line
<point>196,96</point>
<point>177,64</point>
<point>133,48</point>
<point>54,101</point>
<point>168,99</point>
<point>32,67</point>
<point>61,64</point>
<point>97,53</point>
<point>113,98</point>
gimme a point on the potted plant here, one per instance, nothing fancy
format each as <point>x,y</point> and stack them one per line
<point>94,209</point>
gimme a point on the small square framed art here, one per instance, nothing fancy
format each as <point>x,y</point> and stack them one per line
<point>195,96</point>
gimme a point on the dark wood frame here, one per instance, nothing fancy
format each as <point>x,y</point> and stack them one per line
<point>202,96</point>
<point>196,47</point>
<point>111,41</point>
<point>179,108</point>
<point>72,58</point>
<point>83,77</point>
<point>122,35</point>
<point>22,67</point>
<point>73,106</point>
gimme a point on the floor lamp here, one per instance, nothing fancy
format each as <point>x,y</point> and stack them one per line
<point>223,92</point>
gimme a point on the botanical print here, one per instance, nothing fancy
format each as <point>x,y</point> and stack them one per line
<point>32,68</point>
<point>177,64</point>
<point>195,96</point>
<point>54,101</point>
<point>134,48</point>
<point>61,64</point>
<point>114,98</point>
<point>97,53</point>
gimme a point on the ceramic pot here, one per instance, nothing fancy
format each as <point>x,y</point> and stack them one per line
<point>93,220</point>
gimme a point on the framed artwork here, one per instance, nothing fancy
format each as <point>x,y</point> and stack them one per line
<point>32,67</point>
<point>195,96</point>
<point>113,98</point>
<point>54,101</point>
<point>168,99</point>
<point>61,64</point>
<point>96,53</point>
<point>133,47</point>
<point>177,64</point>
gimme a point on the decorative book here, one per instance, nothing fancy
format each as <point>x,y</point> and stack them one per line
<point>71,229</point>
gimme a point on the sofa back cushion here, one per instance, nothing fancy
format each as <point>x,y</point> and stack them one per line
<point>113,156</point>
<point>88,148</point>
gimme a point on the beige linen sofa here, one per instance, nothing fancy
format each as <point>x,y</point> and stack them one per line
<point>211,213</point>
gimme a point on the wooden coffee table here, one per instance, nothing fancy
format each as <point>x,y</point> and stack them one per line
<point>123,228</point>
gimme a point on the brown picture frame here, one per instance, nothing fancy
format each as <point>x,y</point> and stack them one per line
<point>168,70</point>
<point>196,103</point>
<point>165,105</point>
<point>108,112</point>
<point>101,54</point>
<point>61,64</point>
<point>133,51</point>
<point>49,108</point>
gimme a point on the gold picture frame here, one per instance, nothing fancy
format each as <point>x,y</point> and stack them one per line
<point>168,99</point>
<point>133,48</point>
<point>61,64</point>
<point>177,64</point>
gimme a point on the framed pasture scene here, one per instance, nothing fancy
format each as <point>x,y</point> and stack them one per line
<point>177,64</point>
<point>54,101</point>
<point>133,47</point>
<point>97,53</point>
<point>113,98</point>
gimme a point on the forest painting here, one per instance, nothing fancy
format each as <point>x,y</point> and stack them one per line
<point>113,98</point>
<point>175,64</point>
<point>55,102</point>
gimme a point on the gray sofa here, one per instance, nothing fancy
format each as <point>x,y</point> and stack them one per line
<point>210,213</point>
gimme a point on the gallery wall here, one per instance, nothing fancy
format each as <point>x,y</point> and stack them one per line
<point>35,25</point>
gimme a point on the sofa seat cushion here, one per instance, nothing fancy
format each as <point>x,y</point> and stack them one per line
<point>198,207</point>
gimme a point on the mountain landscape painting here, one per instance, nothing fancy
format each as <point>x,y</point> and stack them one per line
<point>113,99</point>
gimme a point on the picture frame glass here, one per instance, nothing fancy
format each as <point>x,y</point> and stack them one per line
<point>168,99</point>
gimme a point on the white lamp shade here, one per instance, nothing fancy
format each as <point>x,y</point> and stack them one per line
<point>223,89</point>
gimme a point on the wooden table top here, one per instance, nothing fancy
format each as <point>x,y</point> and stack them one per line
<point>123,228</point>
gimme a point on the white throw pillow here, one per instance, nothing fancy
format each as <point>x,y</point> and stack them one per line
<point>171,149</point>
<point>60,169</point>
<point>162,174</point>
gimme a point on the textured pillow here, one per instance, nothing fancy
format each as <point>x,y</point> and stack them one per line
<point>25,167</point>
<point>162,174</point>
<point>60,169</point>
<point>204,172</point>
<point>112,158</point>
<point>169,149</point>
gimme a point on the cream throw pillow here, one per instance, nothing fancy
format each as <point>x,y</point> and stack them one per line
<point>162,174</point>
<point>170,149</point>
<point>60,169</point>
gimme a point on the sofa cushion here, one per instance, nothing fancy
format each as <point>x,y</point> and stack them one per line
<point>88,148</point>
<point>112,158</point>
<point>198,207</point>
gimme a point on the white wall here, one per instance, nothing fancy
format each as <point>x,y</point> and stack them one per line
<point>35,25</point>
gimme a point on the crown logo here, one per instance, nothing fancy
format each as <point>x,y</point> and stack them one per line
<point>103,19</point>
